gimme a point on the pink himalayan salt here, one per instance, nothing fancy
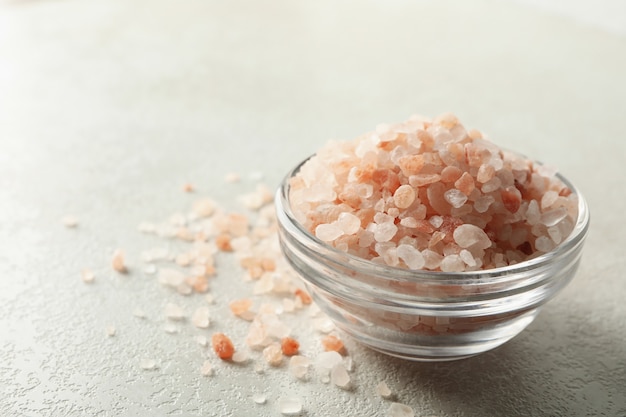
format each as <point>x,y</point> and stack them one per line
<point>441,187</point>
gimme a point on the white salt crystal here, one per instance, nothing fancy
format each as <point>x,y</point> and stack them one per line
<point>339,376</point>
<point>264,285</point>
<point>200,317</point>
<point>411,256</point>
<point>171,277</point>
<point>259,399</point>
<point>482,203</point>
<point>491,185</point>
<point>299,366</point>
<point>323,325</point>
<point>87,276</point>
<point>202,341</point>
<point>348,223</point>
<point>348,363</point>
<point>290,406</point>
<point>170,328</point>
<point>544,244</point>
<point>232,177</point>
<point>467,235</point>
<point>70,221</point>
<point>452,263</point>
<point>455,197</point>
<point>467,257</point>
<point>436,221</point>
<point>384,232</point>
<point>110,331</point>
<point>174,312</point>
<point>327,360</point>
<point>147,364</point>
<point>139,313</point>
<point>409,222</point>
<point>207,368</point>
<point>400,410</point>
<point>382,389</point>
<point>150,269</point>
<point>240,356</point>
<point>432,259</point>
<point>184,289</point>
<point>555,234</point>
<point>328,232</point>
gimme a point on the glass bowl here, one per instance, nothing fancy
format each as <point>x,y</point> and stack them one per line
<point>426,315</point>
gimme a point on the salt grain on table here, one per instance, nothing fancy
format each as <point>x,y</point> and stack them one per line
<point>400,410</point>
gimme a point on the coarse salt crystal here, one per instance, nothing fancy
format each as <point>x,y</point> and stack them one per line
<point>207,368</point>
<point>147,364</point>
<point>174,312</point>
<point>468,235</point>
<point>259,399</point>
<point>411,256</point>
<point>299,366</point>
<point>139,313</point>
<point>87,276</point>
<point>241,356</point>
<point>339,376</point>
<point>382,389</point>
<point>455,197</point>
<point>400,410</point>
<point>348,223</point>
<point>111,331</point>
<point>200,317</point>
<point>290,406</point>
<point>273,354</point>
<point>70,221</point>
<point>328,232</point>
<point>117,262</point>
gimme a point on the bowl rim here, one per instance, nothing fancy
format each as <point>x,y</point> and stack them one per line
<point>478,277</point>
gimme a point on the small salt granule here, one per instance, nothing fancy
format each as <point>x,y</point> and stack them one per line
<point>290,406</point>
<point>70,222</point>
<point>400,410</point>
<point>147,364</point>
<point>207,368</point>
<point>382,389</point>
<point>110,331</point>
<point>174,312</point>
<point>259,399</point>
<point>273,354</point>
<point>117,262</point>
<point>339,376</point>
<point>87,276</point>
<point>299,366</point>
<point>200,317</point>
<point>240,356</point>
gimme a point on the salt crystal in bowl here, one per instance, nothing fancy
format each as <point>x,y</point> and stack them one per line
<point>419,314</point>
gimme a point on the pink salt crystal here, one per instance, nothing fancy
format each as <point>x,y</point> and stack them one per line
<point>87,276</point>
<point>553,217</point>
<point>451,174</point>
<point>482,203</point>
<point>544,244</point>
<point>491,185</point>
<point>404,196</point>
<point>273,354</point>
<point>409,222</point>
<point>455,197</point>
<point>400,410</point>
<point>432,259</point>
<point>328,232</point>
<point>465,183</point>
<point>139,313</point>
<point>200,317</point>
<point>421,180</point>
<point>117,262</point>
<point>468,235</point>
<point>436,221</point>
<point>548,199</point>
<point>203,208</point>
<point>467,257</point>
<point>348,223</point>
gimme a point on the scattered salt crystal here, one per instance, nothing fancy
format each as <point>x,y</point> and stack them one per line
<point>203,208</point>
<point>200,317</point>
<point>339,376</point>
<point>328,232</point>
<point>87,276</point>
<point>241,356</point>
<point>170,328</point>
<point>382,389</point>
<point>139,313</point>
<point>348,363</point>
<point>290,406</point>
<point>259,399</point>
<point>117,262</point>
<point>400,410</point>
<point>70,221</point>
<point>174,312</point>
<point>207,368</point>
<point>184,289</point>
<point>299,366</point>
<point>323,325</point>
<point>256,175</point>
<point>209,298</point>
<point>110,331</point>
<point>202,340</point>
<point>455,197</point>
<point>147,364</point>
<point>326,360</point>
<point>150,269</point>
<point>232,177</point>
<point>188,187</point>
<point>273,354</point>
<point>171,277</point>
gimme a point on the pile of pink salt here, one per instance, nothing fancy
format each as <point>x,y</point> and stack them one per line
<point>429,194</point>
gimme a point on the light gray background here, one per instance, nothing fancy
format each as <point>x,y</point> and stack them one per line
<point>107,107</point>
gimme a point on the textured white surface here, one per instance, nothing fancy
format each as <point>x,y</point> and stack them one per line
<point>108,107</point>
